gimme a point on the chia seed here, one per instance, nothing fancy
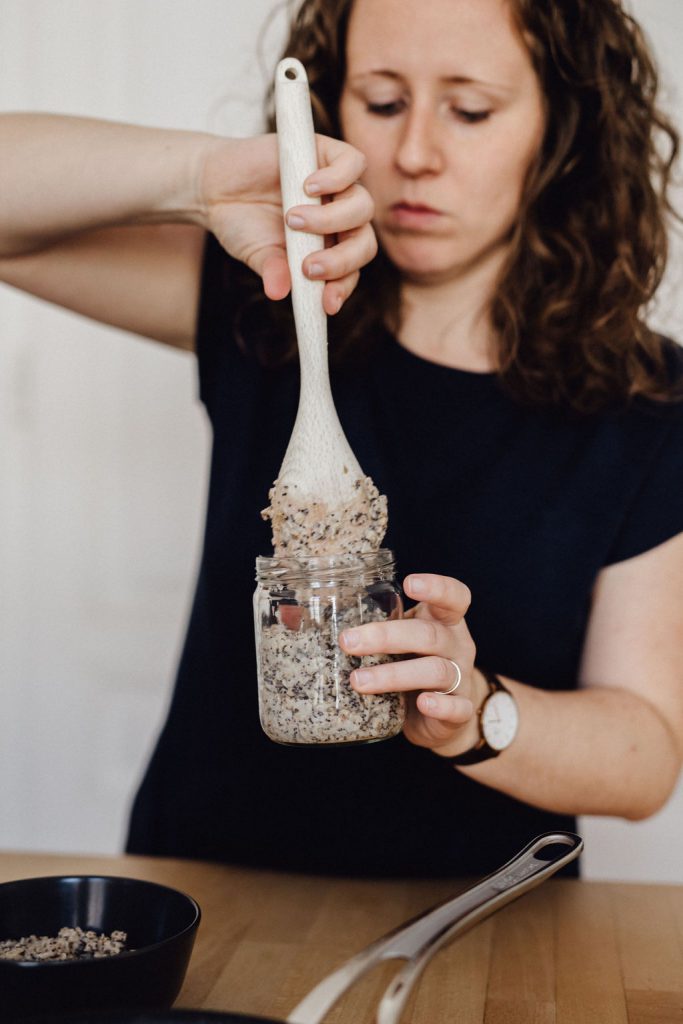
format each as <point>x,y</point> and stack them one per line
<point>305,526</point>
<point>305,696</point>
<point>68,944</point>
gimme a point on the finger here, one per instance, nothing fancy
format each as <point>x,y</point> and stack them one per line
<point>350,209</point>
<point>434,722</point>
<point>447,599</point>
<point>448,711</point>
<point>399,636</point>
<point>429,673</point>
<point>271,265</point>
<point>336,293</point>
<point>347,256</point>
<point>340,165</point>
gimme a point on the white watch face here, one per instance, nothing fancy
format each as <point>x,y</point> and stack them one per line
<point>499,720</point>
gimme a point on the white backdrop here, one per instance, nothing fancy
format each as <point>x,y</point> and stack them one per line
<point>104,446</point>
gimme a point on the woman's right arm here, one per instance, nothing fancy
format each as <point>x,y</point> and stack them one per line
<point>103,218</point>
<point>108,219</point>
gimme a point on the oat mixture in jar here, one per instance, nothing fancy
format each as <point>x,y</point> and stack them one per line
<point>301,606</point>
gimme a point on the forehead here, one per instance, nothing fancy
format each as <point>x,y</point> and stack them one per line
<point>439,38</point>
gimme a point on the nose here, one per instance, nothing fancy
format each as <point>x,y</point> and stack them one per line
<point>419,151</point>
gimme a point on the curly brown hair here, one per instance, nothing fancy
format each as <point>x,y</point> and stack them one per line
<point>590,244</point>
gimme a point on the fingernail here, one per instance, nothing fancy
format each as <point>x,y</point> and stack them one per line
<point>337,305</point>
<point>417,585</point>
<point>295,221</point>
<point>429,703</point>
<point>312,188</point>
<point>350,638</point>
<point>362,677</point>
<point>315,269</point>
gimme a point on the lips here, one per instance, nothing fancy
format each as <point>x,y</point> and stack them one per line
<point>414,207</point>
<point>414,216</point>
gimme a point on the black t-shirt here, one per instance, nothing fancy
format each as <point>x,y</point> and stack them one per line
<point>525,506</point>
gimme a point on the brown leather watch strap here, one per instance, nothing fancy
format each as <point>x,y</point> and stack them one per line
<point>481,751</point>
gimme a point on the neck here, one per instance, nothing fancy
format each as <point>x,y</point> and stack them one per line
<point>448,321</point>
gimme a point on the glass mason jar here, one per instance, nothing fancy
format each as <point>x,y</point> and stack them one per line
<point>301,606</point>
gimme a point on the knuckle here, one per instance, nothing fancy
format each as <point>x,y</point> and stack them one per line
<point>443,671</point>
<point>469,650</point>
<point>439,590</point>
<point>368,204</point>
<point>464,595</point>
<point>338,266</point>
<point>351,263</point>
<point>350,282</point>
<point>373,245</point>
<point>376,635</point>
<point>430,635</point>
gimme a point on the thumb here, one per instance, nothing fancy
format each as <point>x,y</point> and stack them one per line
<point>271,265</point>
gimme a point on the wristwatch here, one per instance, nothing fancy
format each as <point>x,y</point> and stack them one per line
<point>498,722</point>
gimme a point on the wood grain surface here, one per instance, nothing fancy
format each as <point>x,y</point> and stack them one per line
<point>570,952</point>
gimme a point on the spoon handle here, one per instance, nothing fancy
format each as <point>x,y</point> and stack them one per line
<point>298,159</point>
<point>418,940</point>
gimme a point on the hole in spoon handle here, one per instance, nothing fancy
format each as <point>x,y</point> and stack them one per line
<point>297,149</point>
<point>298,159</point>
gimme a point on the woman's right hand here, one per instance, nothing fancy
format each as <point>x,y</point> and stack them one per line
<point>108,219</point>
<point>241,204</point>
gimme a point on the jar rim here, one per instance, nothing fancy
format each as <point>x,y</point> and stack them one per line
<point>278,567</point>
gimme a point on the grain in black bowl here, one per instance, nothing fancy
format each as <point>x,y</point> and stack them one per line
<point>160,925</point>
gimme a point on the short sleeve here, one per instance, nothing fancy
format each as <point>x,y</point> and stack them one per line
<point>213,313</point>
<point>655,513</point>
<point>225,340</point>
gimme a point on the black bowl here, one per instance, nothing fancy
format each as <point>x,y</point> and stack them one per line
<point>161,925</point>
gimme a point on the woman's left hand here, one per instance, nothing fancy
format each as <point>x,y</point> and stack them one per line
<point>435,631</point>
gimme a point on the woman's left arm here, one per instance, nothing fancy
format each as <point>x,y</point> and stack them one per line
<point>612,747</point>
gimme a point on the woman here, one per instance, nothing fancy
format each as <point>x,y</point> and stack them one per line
<point>494,376</point>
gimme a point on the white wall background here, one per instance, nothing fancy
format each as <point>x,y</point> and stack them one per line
<point>103,446</point>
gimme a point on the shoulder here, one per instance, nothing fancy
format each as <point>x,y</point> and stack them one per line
<point>238,327</point>
<point>672,352</point>
<point>652,435</point>
<point>658,416</point>
<point>220,356</point>
<point>232,302</point>
<point>223,277</point>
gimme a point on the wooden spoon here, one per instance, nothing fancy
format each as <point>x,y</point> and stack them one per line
<point>321,502</point>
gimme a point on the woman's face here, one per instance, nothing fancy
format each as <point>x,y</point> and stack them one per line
<point>442,99</point>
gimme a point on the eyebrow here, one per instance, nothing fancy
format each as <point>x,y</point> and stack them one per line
<point>446,79</point>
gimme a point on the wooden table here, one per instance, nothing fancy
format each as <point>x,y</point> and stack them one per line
<point>567,953</point>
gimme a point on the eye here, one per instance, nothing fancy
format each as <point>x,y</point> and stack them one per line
<point>472,116</point>
<point>385,109</point>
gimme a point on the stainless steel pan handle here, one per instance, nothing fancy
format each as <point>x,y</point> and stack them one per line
<point>419,939</point>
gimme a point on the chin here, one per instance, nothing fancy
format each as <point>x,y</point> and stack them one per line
<point>426,259</point>
<point>428,271</point>
<point>423,258</point>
